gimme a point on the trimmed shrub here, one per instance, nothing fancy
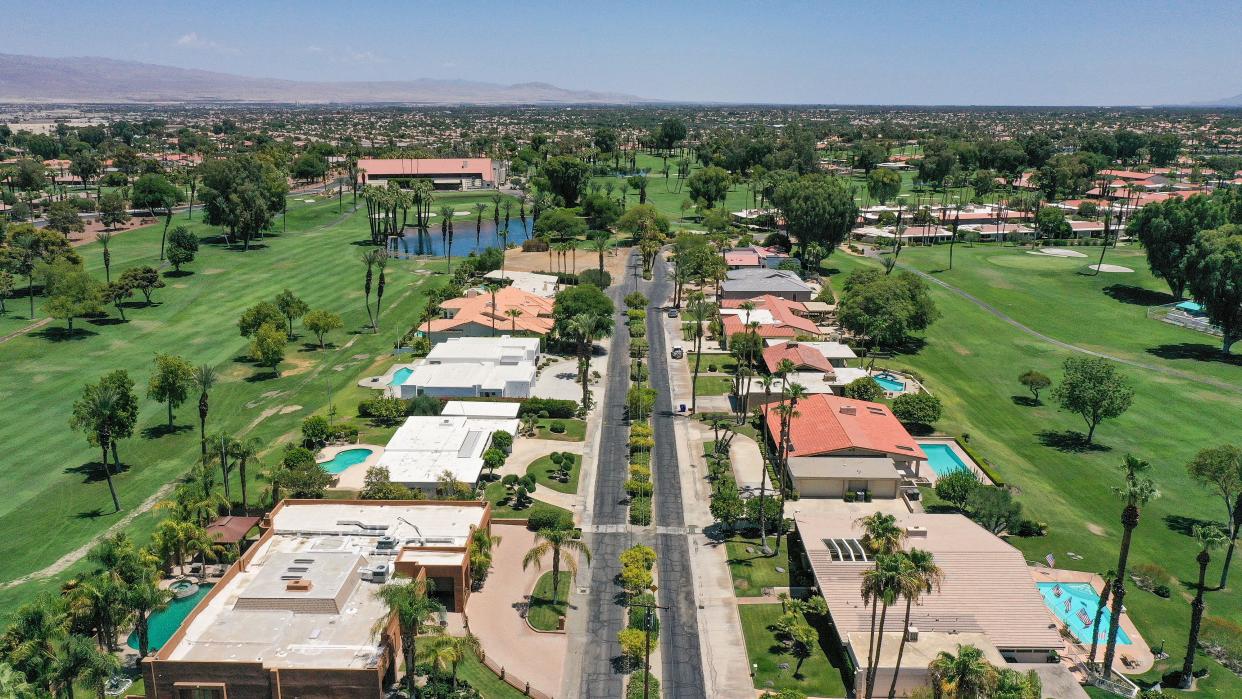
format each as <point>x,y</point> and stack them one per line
<point>640,511</point>
<point>600,278</point>
<point>555,458</point>
<point>557,428</point>
<point>553,407</point>
<point>541,519</point>
<point>502,440</point>
<point>634,690</point>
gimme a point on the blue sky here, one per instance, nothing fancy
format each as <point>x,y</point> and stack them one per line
<point>875,52</point>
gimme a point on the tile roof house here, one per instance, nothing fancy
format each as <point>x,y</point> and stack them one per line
<point>752,282</point>
<point>776,317</point>
<point>444,173</point>
<point>475,315</point>
<point>840,445</point>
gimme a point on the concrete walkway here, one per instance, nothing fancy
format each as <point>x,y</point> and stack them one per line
<point>495,616</point>
<point>747,461</point>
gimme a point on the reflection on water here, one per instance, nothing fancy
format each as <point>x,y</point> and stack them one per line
<point>468,237</point>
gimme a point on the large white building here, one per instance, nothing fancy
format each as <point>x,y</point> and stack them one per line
<point>424,447</point>
<point>475,367</point>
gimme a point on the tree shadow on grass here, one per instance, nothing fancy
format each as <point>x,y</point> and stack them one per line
<point>1026,401</point>
<point>261,376</point>
<point>177,274</point>
<point>163,430</point>
<point>1197,351</point>
<point>1185,525</point>
<point>107,320</point>
<point>1137,295</point>
<point>59,334</point>
<point>1069,441</point>
<point>92,471</point>
<point>92,514</point>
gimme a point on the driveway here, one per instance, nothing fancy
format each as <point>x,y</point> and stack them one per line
<point>495,616</point>
<point>558,380</point>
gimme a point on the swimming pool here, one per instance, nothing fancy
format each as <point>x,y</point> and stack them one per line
<point>399,376</point>
<point>942,459</point>
<point>162,625</point>
<point>345,459</point>
<point>888,382</point>
<point>1076,598</point>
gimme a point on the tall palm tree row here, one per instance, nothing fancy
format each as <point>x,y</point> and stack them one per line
<point>586,329</point>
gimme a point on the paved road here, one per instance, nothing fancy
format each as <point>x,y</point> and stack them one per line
<point>1188,376</point>
<point>681,673</point>
<point>604,617</point>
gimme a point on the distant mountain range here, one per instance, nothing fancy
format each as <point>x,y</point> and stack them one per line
<point>89,79</point>
<point>1235,101</point>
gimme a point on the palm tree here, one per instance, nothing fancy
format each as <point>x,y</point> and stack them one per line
<point>204,378</point>
<point>99,405</point>
<point>883,538</point>
<point>699,310</point>
<point>368,258</point>
<point>243,450</point>
<point>79,659</point>
<point>1100,606</point>
<point>447,652</point>
<point>881,586</point>
<point>381,261</point>
<point>1137,491</point>
<point>32,638</point>
<point>514,314</point>
<point>766,382</point>
<point>586,328</point>
<point>412,607</point>
<point>492,288</point>
<point>96,603</point>
<point>919,576</point>
<point>105,238</point>
<point>599,243</point>
<point>967,675</point>
<point>555,541</point>
<point>1209,537</point>
<point>143,599</point>
<point>446,220</point>
<point>479,208</point>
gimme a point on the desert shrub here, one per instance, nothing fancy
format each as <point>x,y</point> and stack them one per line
<point>553,407</point>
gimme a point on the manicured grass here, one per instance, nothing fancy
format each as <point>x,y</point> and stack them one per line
<point>575,430</point>
<point>543,613</point>
<point>725,363</point>
<point>820,675</point>
<point>753,570</point>
<point>57,474</point>
<point>971,360</point>
<point>713,385</point>
<point>485,681</point>
<point>495,492</point>
<point>543,468</point>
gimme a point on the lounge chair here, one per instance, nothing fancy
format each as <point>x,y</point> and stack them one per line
<point>1086,620</point>
<point>1068,605</point>
<point>1056,590</point>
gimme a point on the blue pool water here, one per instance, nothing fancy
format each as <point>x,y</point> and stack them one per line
<point>162,625</point>
<point>888,382</point>
<point>399,376</point>
<point>345,459</point>
<point>942,459</point>
<point>1191,307</point>
<point>1081,597</point>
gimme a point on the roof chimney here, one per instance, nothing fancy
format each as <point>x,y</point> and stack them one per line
<point>849,410</point>
<point>299,585</point>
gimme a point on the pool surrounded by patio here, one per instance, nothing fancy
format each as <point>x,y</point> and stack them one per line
<point>889,382</point>
<point>163,624</point>
<point>399,376</point>
<point>345,459</point>
<point>942,459</point>
<point>1077,602</point>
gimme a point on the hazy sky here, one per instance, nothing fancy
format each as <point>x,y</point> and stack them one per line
<point>859,51</point>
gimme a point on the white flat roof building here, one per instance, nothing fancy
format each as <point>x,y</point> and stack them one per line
<point>469,380</point>
<point>426,446</point>
<point>532,283</point>
<point>481,408</point>
<point>494,350</point>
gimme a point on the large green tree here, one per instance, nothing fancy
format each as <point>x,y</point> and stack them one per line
<point>1094,389</point>
<point>1219,469</point>
<point>1167,229</point>
<point>565,177</point>
<point>154,191</point>
<point>243,194</point>
<point>709,186</point>
<point>885,309</point>
<point>581,300</point>
<point>1214,276</point>
<point>817,209</point>
<point>883,184</point>
<point>170,382</point>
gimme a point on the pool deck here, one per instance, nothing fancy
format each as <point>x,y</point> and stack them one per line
<point>381,382</point>
<point>956,448</point>
<point>352,478</point>
<point>1138,651</point>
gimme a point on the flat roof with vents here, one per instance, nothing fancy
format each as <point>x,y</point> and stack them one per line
<point>426,446</point>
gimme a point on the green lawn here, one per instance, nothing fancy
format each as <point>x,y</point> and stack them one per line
<point>725,363</point>
<point>543,613</point>
<point>575,430</point>
<point>56,474</point>
<point>485,681</point>
<point>543,468</point>
<point>495,492</point>
<point>713,385</point>
<point>971,361</point>
<point>820,675</point>
<point>752,570</point>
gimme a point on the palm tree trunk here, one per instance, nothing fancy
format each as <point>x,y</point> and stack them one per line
<point>410,688</point>
<point>556,574</point>
<point>901,649</point>
<point>108,474</point>
<point>1129,520</point>
<point>1196,618</point>
<point>1233,540</point>
<point>879,645</point>
<point>875,604</point>
<point>202,421</point>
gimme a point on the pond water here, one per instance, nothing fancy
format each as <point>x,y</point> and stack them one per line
<point>466,239</point>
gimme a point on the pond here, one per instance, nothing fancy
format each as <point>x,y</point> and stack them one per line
<point>466,239</point>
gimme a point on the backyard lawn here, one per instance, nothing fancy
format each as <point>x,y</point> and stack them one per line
<point>544,469</point>
<point>971,360</point>
<point>773,665</point>
<point>195,316</point>
<point>713,385</point>
<point>485,681</point>
<point>752,570</point>
<point>543,614</point>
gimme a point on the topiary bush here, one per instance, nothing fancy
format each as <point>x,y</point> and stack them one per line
<point>557,427</point>
<point>548,518</point>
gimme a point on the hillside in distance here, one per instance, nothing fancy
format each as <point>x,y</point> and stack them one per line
<point>105,80</point>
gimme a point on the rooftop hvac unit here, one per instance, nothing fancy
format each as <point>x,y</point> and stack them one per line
<point>386,542</point>
<point>377,572</point>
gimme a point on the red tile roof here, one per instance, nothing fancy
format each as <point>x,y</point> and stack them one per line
<point>802,356</point>
<point>784,312</point>
<point>826,424</point>
<point>536,311</point>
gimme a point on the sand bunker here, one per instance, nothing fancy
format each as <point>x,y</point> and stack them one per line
<point>1110,268</point>
<point>1056,252</point>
